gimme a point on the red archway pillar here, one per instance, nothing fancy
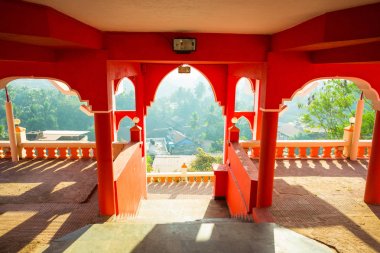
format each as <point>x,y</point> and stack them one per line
<point>372,187</point>
<point>103,134</point>
<point>267,157</point>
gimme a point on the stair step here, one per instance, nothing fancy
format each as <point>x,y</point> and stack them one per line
<point>177,210</point>
<point>219,236</point>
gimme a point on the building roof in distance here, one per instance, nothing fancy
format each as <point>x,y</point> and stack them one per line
<point>171,163</point>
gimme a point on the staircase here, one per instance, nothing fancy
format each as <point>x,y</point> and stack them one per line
<point>177,210</point>
<point>184,225</point>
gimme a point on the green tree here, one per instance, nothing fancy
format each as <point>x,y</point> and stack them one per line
<point>149,163</point>
<point>2,132</point>
<point>203,161</point>
<point>245,129</point>
<point>330,107</point>
<point>45,108</point>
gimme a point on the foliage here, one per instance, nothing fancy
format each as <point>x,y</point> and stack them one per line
<point>125,101</point>
<point>149,163</point>
<point>46,109</point>
<point>245,129</point>
<point>203,161</point>
<point>2,132</point>
<point>330,108</point>
<point>192,111</point>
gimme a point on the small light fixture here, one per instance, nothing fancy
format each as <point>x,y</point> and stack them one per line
<point>234,120</point>
<point>184,69</point>
<point>352,120</point>
<point>17,122</point>
<point>184,45</point>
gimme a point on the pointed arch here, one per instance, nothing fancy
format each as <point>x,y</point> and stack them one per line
<point>62,86</point>
<point>245,97</point>
<point>197,71</point>
<point>124,126</point>
<point>154,73</point>
<point>245,128</point>
<point>369,92</point>
<point>123,86</point>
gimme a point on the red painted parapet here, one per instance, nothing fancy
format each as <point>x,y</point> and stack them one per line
<point>306,149</point>
<point>129,179</point>
<point>235,201</point>
<point>242,181</point>
<point>176,177</point>
<point>57,150</point>
<point>220,185</point>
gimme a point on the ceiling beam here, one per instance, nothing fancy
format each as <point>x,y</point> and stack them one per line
<point>211,47</point>
<point>40,25</point>
<point>366,53</point>
<point>342,28</point>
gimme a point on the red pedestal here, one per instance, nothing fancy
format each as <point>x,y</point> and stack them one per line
<point>106,191</point>
<point>267,158</point>
<point>233,134</point>
<point>136,133</point>
<point>372,187</point>
<point>220,185</point>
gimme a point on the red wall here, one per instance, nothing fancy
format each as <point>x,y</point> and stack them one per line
<point>130,180</point>
<point>243,176</point>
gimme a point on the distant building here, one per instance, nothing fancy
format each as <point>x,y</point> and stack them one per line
<point>171,163</point>
<point>178,143</point>
<point>57,135</point>
<point>156,146</point>
<point>175,142</point>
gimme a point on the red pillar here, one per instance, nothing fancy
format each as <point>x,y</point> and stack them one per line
<point>372,187</point>
<point>267,158</point>
<point>103,134</point>
<point>229,111</point>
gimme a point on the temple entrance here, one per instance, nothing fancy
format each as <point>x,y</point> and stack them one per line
<point>184,122</point>
<point>184,136</point>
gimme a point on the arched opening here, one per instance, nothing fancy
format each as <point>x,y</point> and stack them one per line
<point>244,98</point>
<point>184,123</point>
<point>317,163</point>
<point>323,108</point>
<point>46,110</point>
<point>123,134</point>
<point>125,96</point>
<point>245,129</point>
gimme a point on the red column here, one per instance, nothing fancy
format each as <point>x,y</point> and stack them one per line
<point>103,134</point>
<point>267,158</point>
<point>372,187</point>
<point>229,111</point>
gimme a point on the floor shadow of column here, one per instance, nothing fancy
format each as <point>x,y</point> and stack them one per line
<point>43,211</point>
<point>296,207</point>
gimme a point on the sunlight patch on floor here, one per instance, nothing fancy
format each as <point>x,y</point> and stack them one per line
<point>16,189</point>
<point>12,219</point>
<point>62,185</point>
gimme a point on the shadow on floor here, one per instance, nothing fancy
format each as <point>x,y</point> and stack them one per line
<point>187,237</point>
<point>296,207</point>
<point>45,199</point>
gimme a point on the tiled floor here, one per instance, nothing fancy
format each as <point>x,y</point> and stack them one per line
<point>44,199</point>
<point>323,199</point>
